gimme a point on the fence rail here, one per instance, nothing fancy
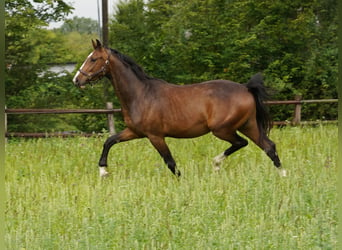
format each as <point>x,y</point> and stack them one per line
<point>110,111</point>
<point>301,101</point>
<point>62,111</point>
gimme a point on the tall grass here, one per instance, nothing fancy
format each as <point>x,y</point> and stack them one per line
<point>56,200</point>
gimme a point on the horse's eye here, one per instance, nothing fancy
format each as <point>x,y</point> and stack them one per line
<point>93,59</point>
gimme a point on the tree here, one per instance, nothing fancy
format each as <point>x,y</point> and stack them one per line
<point>80,25</point>
<point>292,42</point>
<point>30,50</point>
<point>23,22</point>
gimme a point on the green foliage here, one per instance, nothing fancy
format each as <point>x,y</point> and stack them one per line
<point>53,91</point>
<point>30,50</point>
<point>56,200</point>
<point>81,25</point>
<point>27,44</point>
<point>21,19</point>
<point>292,42</point>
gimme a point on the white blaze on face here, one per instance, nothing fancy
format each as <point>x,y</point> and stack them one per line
<point>78,72</point>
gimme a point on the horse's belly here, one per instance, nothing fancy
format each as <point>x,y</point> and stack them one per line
<point>187,131</point>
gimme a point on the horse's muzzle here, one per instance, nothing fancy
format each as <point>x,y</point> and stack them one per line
<point>78,82</point>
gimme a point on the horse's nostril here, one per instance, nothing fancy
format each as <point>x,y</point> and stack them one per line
<point>75,80</point>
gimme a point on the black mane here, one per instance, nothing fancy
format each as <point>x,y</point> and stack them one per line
<point>129,62</point>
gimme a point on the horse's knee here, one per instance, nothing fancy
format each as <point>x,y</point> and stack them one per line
<point>111,141</point>
<point>243,143</point>
<point>106,147</point>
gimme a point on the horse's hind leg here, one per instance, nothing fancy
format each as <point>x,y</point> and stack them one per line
<point>270,149</point>
<point>236,141</point>
<point>164,151</point>
<point>251,131</point>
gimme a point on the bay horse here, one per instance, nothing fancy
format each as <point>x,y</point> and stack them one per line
<point>156,109</point>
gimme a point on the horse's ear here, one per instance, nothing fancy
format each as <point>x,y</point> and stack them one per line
<point>97,44</point>
<point>94,44</point>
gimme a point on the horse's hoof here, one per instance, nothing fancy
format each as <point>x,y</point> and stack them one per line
<point>103,172</point>
<point>282,172</point>
<point>178,174</point>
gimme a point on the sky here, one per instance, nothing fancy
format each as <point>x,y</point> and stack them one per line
<point>86,8</point>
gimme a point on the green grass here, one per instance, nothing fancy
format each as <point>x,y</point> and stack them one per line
<point>56,200</point>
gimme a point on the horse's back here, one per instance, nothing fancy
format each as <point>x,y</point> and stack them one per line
<point>218,94</point>
<point>224,87</point>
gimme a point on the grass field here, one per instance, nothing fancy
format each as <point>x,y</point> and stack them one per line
<point>56,200</point>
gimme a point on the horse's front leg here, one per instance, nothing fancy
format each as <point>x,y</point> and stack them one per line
<point>164,151</point>
<point>124,135</point>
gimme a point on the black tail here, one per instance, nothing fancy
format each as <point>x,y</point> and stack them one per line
<point>256,86</point>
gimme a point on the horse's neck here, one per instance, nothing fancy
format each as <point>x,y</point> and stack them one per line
<point>127,86</point>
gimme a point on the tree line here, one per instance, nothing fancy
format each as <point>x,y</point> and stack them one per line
<point>293,43</point>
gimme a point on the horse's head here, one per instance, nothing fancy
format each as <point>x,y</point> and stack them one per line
<point>94,67</point>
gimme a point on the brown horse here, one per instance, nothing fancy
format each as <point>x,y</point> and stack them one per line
<point>156,109</point>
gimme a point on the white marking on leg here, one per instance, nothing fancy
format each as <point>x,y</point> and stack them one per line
<point>218,160</point>
<point>282,172</point>
<point>103,172</point>
<point>78,72</point>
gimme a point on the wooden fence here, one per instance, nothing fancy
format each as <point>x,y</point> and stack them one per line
<point>110,111</point>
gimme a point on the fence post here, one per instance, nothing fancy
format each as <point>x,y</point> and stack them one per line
<point>111,125</point>
<point>297,111</point>
<point>5,124</point>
